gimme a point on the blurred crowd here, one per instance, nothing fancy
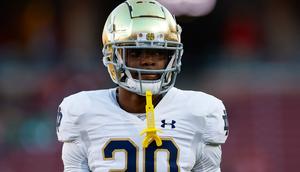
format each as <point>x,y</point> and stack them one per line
<point>245,52</point>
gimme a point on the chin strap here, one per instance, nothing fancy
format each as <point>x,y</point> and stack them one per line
<point>150,130</point>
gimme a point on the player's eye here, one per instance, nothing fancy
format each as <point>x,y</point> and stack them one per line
<point>134,53</point>
<point>164,53</point>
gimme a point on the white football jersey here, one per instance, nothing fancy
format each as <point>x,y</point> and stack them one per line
<point>102,137</point>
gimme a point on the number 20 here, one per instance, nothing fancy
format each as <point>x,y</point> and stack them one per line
<point>131,153</point>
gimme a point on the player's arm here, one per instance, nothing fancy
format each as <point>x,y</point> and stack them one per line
<point>209,159</point>
<point>68,131</point>
<point>214,135</point>
<point>74,158</point>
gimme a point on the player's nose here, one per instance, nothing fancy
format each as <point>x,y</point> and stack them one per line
<point>147,59</point>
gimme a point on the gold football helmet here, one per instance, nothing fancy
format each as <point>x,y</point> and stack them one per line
<point>141,24</point>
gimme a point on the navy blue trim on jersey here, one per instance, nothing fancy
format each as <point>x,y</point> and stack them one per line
<point>150,155</point>
<point>126,145</point>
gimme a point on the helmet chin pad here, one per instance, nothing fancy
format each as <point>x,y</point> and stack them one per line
<point>141,86</point>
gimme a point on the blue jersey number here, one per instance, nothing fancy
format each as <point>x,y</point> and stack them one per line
<point>131,153</point>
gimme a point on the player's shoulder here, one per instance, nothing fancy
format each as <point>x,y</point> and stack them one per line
<point>81,100</point>
<point>198,100</point>
<point>87,96</point>
<point>208,111</point>
<point>72,109</point>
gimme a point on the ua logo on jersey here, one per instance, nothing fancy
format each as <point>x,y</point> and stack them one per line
<point>164,123</point>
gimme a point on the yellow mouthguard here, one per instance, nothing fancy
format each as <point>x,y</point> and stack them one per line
<point>150,130</point>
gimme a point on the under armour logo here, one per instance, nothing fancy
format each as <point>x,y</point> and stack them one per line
<point>164,123</point>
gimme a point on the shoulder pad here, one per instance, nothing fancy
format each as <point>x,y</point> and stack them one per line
<point>216,124</point>
<point>211,114</point>
<point>69,111</point>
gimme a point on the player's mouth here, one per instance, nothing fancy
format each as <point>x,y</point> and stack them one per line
<point>150,76</point>
<point>147,76</point>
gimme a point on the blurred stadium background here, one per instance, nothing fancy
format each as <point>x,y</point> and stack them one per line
<point>245,52</point>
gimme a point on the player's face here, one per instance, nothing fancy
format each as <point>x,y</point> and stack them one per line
<point>152,59</point>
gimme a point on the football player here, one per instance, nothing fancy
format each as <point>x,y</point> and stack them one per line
<point>101,129</point>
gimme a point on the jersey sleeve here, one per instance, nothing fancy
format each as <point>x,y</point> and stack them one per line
<point>208,158</point>
<point>216,124</point>
<point>74,158</point>
<point>67,126</point>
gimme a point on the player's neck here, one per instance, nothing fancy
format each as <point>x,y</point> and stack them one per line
<point>132,102</point>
